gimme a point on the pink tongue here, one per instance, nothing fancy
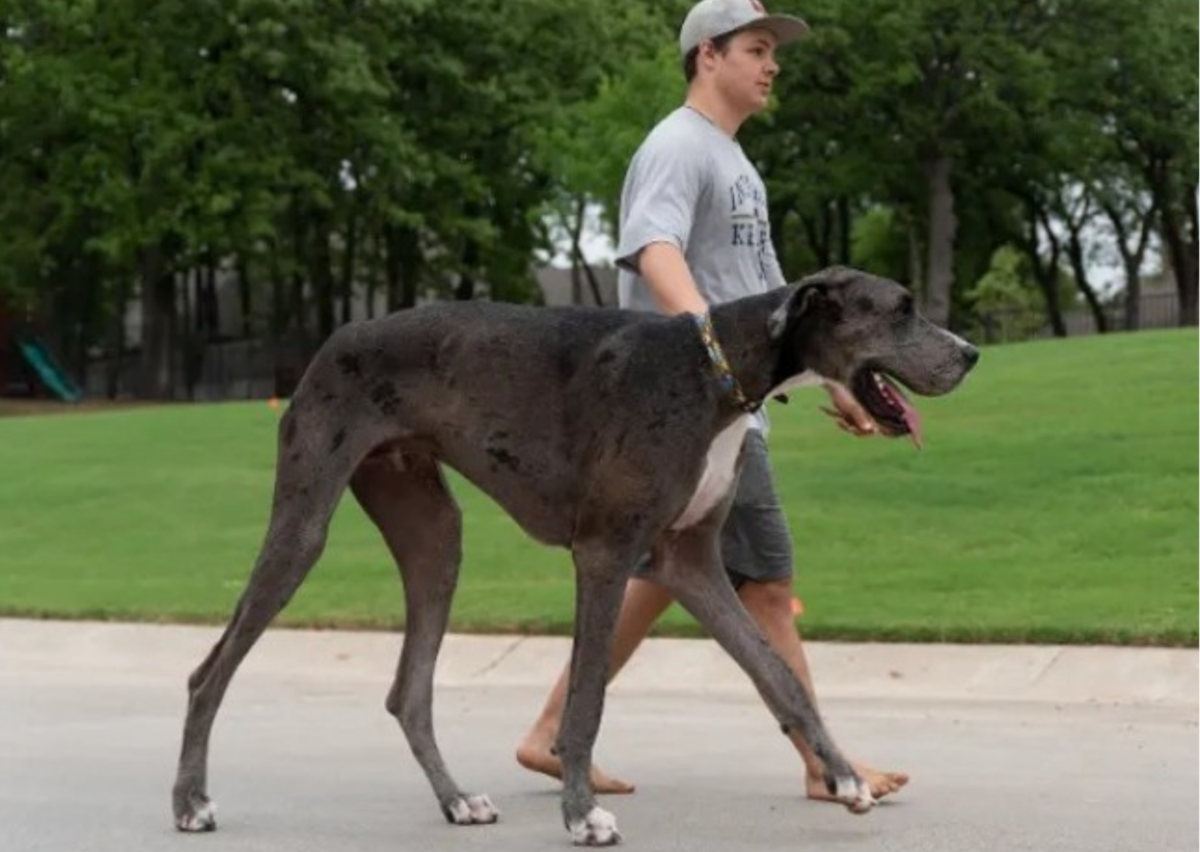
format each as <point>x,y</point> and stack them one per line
<point>911,418</point>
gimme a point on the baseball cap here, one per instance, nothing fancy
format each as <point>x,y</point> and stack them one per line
<point>709,19</point>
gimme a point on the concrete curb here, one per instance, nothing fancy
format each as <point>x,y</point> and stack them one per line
<point>1068,674</point>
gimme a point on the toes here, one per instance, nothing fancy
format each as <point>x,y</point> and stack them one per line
<point>854,794</point>
<point>598,828</point>
<point>201,815</point>
<point>471,810</point>
<point>886,783</point>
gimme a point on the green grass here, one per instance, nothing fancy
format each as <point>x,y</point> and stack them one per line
<point>1056,501</point>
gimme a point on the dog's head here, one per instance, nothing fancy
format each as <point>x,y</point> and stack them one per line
<point>866,333</point>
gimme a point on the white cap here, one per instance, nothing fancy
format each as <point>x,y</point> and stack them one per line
<point>712,18</point>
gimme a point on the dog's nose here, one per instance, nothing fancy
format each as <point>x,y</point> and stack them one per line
<point>971,354</point>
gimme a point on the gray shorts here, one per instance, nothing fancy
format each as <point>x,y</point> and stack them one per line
<point>755,542</point>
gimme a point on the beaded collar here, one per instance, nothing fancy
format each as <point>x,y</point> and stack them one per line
<point>721,364</point>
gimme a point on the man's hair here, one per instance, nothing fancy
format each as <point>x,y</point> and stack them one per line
<point>721,43</point>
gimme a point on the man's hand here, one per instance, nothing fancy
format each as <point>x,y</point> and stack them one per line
<point>847,413</point>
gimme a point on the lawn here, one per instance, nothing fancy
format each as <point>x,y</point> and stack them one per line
<point>1055,501</point>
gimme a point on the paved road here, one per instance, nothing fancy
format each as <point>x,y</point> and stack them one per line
<point>304,761</point>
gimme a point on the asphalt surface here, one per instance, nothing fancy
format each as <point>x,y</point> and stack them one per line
<point>305,758</point>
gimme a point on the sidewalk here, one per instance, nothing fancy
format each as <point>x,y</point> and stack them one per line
<point>1064,674</point>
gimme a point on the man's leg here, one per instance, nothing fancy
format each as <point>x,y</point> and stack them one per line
<point>770,604</point>
<point>644,602</point>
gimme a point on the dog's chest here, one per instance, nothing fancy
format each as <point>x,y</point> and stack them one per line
<point>719,468</point>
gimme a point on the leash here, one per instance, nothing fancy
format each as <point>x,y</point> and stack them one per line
<point>720,364</point>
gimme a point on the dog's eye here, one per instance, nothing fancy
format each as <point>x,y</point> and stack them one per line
<point>906,306</point>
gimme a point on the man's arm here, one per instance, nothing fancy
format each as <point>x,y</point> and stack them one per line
<point>665,271</point>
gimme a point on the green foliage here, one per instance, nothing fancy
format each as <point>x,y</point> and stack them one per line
<point>588,149</point>
<point>424,146</point>
<point>1006,296</point>
<point>879,243</point>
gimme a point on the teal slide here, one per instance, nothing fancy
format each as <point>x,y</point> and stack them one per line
<point>49,372</point>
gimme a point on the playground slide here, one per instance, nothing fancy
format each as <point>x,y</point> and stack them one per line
<point>48,371</point>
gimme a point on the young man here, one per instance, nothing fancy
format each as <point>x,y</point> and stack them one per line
<point>694,232</point>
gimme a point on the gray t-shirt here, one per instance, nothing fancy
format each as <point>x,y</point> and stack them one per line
<point>692,185</point>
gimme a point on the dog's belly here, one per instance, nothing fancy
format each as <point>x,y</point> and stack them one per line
<point>720,466</point>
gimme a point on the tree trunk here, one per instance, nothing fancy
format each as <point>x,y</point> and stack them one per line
<point>208,305</point>
<point>116,347</point>
<point>156,379</point>
<point>320,273</point>
<point>1131,261</point>
<point>372,268</point>
<point>283,383</point>
<point>916,269</point>
<point>943,227</point>
<point>574,226</point>
<point>391,267</point>
<point>1133,291</point>
<point>465,289</point>
<point>402,265</point>
<point>1179,229</point>
<point>1046,274</point>
<point>243,274</point>
<point>817,233</point>
<point>192,321</point>
<point>91,287</point>
<point>299,307</point>
<point>843,213</point>
<point>1079,268</point>
<point>349,260</point>
<point>279,309</point>
<point>777,213</point>
<point>589,273</point>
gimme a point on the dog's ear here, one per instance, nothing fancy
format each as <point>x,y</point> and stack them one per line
<point>804,298</point>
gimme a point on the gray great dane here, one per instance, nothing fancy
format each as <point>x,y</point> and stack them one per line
<point>611,433</point>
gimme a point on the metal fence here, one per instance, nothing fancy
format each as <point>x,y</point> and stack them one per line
<point>230,370</point>
<point>254,369</point>
<point>1158,310</point>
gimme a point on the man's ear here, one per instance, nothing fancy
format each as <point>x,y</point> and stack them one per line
<point>804,298</point>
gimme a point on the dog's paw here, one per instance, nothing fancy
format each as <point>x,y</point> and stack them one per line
<point>598,828</point>
<point>199,815</point>
<point>854,793</point>
<point>471,810</point>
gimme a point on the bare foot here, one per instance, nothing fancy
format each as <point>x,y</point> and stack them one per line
<point>881,783</point>
<point>536,754</point>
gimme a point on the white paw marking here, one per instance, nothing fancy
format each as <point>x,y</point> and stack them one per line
<point>598,828</point>
<point>855,795</point>
<point>473,810</point>
<point>202,818</point>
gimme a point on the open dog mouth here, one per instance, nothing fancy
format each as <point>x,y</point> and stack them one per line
<point>887,405</point>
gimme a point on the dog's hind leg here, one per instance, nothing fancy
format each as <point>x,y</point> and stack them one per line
<point>692,570</point>
<point>312,471</point>
<point>408,499</point>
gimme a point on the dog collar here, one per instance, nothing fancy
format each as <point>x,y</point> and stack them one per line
<point>720,363</point>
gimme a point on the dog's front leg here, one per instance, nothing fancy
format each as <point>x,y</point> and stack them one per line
<point>691,569</point>
<point>601,571</point>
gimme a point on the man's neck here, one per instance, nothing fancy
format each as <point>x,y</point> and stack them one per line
<point>708,104</point>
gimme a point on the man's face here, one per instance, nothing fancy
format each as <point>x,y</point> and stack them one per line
<point>747,70</point>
